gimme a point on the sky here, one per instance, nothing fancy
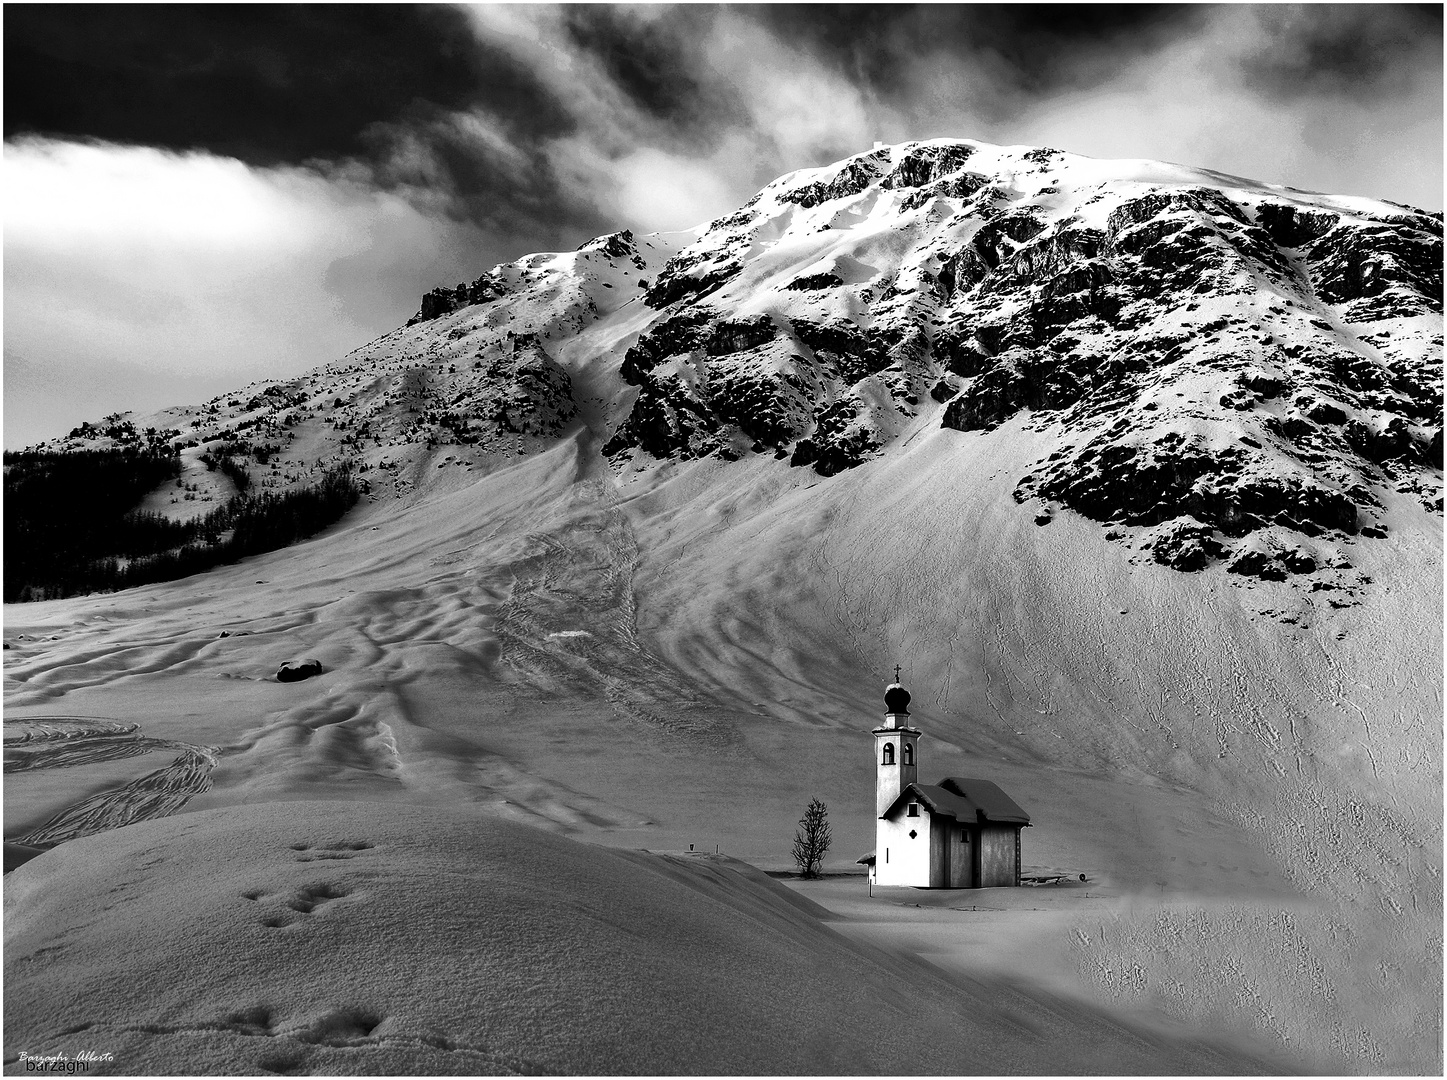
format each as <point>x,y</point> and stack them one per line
<point>200,196</point>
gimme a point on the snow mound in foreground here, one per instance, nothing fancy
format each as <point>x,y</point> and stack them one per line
<point>367,939</point>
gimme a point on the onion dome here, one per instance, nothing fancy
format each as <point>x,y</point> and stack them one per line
<point>896,699</point>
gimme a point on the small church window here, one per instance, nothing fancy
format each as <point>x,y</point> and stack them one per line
<point>913,810</point>
<point>889,753</point>
<point>908,754</point>
<point>964,836</point>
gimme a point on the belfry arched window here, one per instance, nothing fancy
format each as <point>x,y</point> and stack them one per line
<point>908,754</point>
<point>888,753</point>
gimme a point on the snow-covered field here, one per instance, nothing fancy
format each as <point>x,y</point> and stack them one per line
<point>371,939</point>
<point>658,653</point>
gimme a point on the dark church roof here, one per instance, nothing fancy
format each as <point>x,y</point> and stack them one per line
<point>964,799</point>
<point>987,795</point>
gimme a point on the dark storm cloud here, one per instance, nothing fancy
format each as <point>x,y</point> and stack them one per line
<point>267,84</point>
<point>1039,47</point>
<point>374,86</point>
<point>656,62</point>
<point>399,91</point>
<point>1358,50</point>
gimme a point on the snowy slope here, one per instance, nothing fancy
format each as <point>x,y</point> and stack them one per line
<point>1135,469</point>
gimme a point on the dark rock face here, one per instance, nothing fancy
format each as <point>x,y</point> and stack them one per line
<point>1017,379</point>
<point>857,175</point>
<point>616,246</point>
<point>535,395</point>
<point>1186,545</point>
<point>730,336</point>
<point>1382,270</point>
<point>1293,226</point>
<point>1271,563</point>
<point>297,670</point>
<point>963,186</point>
<point>927,164</point>
<point>1231,489</point>
<point>687,330</point>
<point>683,279</point>
<point>843,349</point>
<point>1158,255</point>
<point>666,421</point>
<point>760,380</point>
<point>839,440</point>
<point>814,282</point>
<point>444,301</point>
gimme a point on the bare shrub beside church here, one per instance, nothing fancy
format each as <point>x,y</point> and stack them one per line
<point>811,841</point>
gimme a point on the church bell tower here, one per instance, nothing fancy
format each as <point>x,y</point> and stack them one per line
<point>896,749</point>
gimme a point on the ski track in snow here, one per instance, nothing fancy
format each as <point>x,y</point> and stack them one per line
<point>64,742</point>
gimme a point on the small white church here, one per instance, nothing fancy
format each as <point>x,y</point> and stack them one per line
<point>957,834</point>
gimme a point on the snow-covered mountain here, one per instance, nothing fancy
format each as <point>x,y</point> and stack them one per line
<point>1226,370</point>
<point>1135,468</point>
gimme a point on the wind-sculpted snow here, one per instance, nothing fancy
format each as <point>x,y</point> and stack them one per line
<point>66,742</point>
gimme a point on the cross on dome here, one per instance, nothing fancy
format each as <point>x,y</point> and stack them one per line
<point>896,700</point>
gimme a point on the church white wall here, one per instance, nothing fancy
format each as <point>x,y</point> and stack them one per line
<point>908,859</point>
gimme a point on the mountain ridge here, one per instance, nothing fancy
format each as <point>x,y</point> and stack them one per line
<point>1235,372</point>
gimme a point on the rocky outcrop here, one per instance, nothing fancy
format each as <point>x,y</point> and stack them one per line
<point>297,670</point>
<point>708,384</point>
<point>443,301</point>
<point>617,246</point>
<point>841,438</point>
<point>1379,270</point>
<point>531,395</point>
<point>690,277</point>
<point>925,164</point>
<point>856,175</point>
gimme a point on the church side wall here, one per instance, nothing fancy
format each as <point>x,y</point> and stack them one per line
<point>997,856</point>
<point>939,848</point>
<point>962,856</point>
<point>898,860</point>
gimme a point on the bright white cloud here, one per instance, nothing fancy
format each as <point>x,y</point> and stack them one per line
<point>796,106</point>
<point>631,166</point>
<point>190,265</point>
<point>1190,102</point>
